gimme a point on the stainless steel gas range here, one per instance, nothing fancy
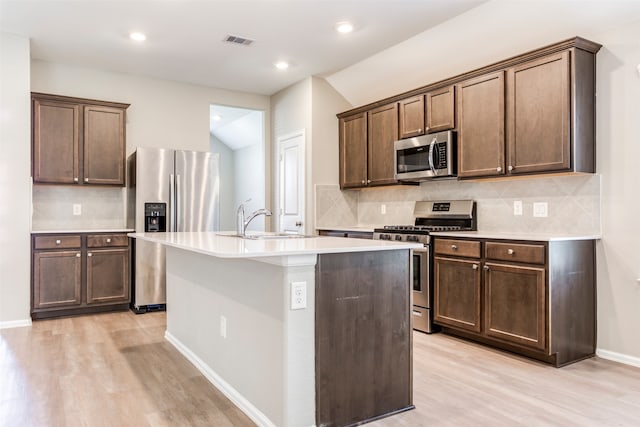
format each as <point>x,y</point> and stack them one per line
<point>430,216</point>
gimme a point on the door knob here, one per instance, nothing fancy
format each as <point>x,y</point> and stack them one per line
<point>298,223</point>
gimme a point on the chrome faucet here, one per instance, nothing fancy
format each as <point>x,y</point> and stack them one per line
<point>242,223</point>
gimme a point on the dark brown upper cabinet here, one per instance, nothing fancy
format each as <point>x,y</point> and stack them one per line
<point>440,109</point>
<point>353,151</point>
<point>382,132</point>
<point>77,141</point>
<point>481,133</point>
<point>530,114</point>
<point>538,115</point>
<point>428,113</point>
<point>411,117</point>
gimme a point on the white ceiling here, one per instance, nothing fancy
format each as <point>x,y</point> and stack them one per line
<point>184,37</point>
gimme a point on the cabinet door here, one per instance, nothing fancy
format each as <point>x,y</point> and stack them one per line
<point>412,117</point>
<point>57,279</point>
<point>440,109</point>
<point>107,276</point>
<point>515,304</point>
<point>56,136</point>
<point>383,131</point>
<point>538,115</point>
<point>457,293</point>
<point>104,145</point>
<point>481,126</point>
<point>353,151</point>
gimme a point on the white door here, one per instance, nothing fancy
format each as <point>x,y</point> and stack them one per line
<point>291,179</point>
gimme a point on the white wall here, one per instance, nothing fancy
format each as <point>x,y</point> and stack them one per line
<point>249,179</point>
<point>500,29</point>
<point>15,181</point>
<point>312,105</point>
<point>227,183</point>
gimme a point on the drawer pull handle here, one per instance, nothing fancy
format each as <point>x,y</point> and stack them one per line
<point>75,179</point>
<point>417,313</point>
<point>475,266</point>
<point>486,268</point>
<point>108,240</point>
<point>86,180</point>
<point>510,251</point>
<point>78,255</point>
<point>58,242</point>
<point>89,254</point>
<point>454,247</point>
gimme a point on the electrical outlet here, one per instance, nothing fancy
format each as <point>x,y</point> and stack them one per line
<point>517,207</point>
<point>540,209</point>
<point>77,209</point>
<point>298,295</point>
<point>383,209</point>
<point>223,326</point>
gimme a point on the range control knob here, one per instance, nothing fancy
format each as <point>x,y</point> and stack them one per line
<point>385,237</point>
<point>412,238</point>
<point>398,237</point>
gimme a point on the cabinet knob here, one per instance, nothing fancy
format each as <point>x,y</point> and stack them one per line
<point>475,266</point>
<point>78,255</point>
<point>368,181</point>
<point>108,240</point>
<point>420,130</point>
<point>363,181</point>
<point>89,254</point>
<point>57,242</point>
<point>75,179</point>
<point>86,180</point>
<point>510,251</point>
<point>510,168</point>
<point>454,247</point>
<point>486,268</point>
<point>499,169</point>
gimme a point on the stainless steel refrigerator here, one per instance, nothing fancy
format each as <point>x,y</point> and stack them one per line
<point>168,190</point>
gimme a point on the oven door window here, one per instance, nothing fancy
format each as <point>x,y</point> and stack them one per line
<point>417,273</point>
<point>414,159</point>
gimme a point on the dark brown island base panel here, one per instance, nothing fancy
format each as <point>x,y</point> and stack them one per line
<point>363,337</point>
<point>529,114</point>
<point>79,273</point>
<point>77,141</point>
<point>537,299</point>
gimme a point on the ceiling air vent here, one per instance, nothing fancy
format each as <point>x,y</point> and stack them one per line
<point>238,40</point>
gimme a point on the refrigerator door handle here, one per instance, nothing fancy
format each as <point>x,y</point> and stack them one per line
<point>172,203</point>
<point>178,202</point>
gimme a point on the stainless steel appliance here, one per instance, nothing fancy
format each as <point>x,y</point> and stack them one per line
<point>425,157</point>
<point>458,215</point>
<point>168,190</point>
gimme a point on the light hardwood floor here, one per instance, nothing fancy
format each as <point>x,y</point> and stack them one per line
<point>117,370</point>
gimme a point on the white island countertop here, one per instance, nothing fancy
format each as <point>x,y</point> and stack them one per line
<point>225,245</point>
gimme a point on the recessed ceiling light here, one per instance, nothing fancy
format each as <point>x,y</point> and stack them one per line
<point>282,65</point>
<point>216,118</point>
<point>344,27</point>
<point>137,36</point>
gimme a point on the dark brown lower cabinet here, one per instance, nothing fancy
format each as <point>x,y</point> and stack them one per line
<point>533,298</point>
<point>79,273</point>
<point>363,336</point>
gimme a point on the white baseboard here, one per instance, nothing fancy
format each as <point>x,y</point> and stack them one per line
<point>15,324</point>
<point>232,394</point>
<point>618,357</point>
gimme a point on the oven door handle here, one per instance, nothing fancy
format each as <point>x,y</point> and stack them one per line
<point>431,147</point>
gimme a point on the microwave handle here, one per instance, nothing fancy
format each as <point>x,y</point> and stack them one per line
<point>431,165</point>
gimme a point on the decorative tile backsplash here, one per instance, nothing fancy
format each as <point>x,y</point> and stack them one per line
<point>573,203</point>
<point>102,208</point>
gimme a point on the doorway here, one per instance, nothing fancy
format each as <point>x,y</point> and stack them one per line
<point>238,135</point>
<point>291,183</point>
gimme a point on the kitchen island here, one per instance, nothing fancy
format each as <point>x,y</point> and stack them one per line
<point>296,332</point>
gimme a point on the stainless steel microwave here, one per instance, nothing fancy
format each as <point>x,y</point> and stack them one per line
<point>425,157</point>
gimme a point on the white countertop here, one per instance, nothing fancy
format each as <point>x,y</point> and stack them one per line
<point>226,246</point>
<point>540,237</point>
<point>93,230</point>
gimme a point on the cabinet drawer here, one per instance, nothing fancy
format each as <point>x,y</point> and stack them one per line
<point>463,248</point>
<point>107,240</point>
<point>533,254</point>
<point>57,242</point>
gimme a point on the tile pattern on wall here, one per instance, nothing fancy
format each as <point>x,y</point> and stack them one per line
<point>573,203</point>
<point>335,207</point>
<point>102,208</point>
